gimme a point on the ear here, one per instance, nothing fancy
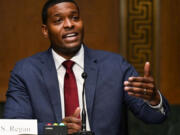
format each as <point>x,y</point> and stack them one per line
<point>44,30</point>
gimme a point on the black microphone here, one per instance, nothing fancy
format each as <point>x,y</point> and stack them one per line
<point>84,76</point>
<point>83,128</point>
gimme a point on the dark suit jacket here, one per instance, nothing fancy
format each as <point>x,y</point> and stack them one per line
<point>33,93</point>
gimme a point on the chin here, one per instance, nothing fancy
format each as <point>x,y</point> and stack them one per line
<point>71,49</point>
<point>74,47</point>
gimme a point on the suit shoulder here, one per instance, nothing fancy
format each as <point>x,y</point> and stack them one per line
<point>112,61</point>
<point>105,56</point>
<point>31,61</point>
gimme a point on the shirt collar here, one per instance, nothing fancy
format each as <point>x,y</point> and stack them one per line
<point>78,58</point>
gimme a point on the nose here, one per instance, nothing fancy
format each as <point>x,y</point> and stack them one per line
<point>68,24</point>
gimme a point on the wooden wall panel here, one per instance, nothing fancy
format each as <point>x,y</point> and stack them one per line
<point>20,35</point>
<point>170,50</point>
<point>101,20</point>
<point>20,30</point>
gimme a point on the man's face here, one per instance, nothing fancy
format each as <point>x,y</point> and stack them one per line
<point>64,28</point>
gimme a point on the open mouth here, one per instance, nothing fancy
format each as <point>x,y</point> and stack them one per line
<point>70,35</point>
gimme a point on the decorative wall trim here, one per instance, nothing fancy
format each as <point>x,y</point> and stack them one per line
<point>140,45</point>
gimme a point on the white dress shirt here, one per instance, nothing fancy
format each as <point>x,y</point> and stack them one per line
<point>78,69</point>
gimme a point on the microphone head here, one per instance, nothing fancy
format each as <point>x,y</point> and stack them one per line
<point>84,75</point>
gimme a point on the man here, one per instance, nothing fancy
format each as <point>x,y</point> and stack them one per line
<point>37,87</point>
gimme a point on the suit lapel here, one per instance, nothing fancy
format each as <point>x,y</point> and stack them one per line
<point>51,81</point>
<point>90,67</point>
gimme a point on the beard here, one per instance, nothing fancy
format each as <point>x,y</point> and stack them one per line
<point>64,51</point>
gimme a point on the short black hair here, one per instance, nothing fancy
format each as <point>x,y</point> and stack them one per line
<point>51,3</point>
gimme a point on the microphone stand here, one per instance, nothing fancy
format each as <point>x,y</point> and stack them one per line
<point>83,128</point>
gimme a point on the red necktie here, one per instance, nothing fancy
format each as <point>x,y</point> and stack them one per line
<point>70,89</point>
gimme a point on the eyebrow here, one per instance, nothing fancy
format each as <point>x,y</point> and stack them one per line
<point>59,14</point>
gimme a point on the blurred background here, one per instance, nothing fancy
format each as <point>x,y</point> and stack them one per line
<point>140,30</point>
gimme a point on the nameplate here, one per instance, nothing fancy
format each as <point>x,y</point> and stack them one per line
<point>18,127</point>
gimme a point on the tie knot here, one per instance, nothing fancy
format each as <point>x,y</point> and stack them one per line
<point>68,64</point>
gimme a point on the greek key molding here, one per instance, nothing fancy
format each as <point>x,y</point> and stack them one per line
<point>140,30</point>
